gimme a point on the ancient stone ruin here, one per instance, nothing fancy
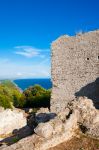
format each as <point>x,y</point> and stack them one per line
<point>75,69</point>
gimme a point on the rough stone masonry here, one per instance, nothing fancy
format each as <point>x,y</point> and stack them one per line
<point>75,69</point>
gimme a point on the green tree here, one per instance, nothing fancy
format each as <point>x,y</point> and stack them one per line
<point>36,96</point>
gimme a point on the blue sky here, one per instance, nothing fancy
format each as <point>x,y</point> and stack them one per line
<point>27,28</point>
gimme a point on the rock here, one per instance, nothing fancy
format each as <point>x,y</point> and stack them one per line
<point>96,119</point>
<point>3,146</point>
<point>50,128</point>
<point>79,113</point>
<point>63,114</point>
<point>57,126</point>
<point>93,131</point>
<point>48,134</point>
<point>44,130</point>
<point>10,120</point>
<point>87,111</point>
<point>42,110</point>
<point>58,130</point>
<point>88,115</point>
<point>71,123</point>
<point>24,144</point>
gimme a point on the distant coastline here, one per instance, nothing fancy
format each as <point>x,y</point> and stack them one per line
<point>17,86</point>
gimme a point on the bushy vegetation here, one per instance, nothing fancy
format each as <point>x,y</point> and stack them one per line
<point>34,97</point>
<point>9,94</point>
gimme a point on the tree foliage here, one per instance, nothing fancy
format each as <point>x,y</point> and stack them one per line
<point>36,96</point>
<point>9,94</point>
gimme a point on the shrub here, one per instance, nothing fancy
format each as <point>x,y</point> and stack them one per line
<point>16,98</point>
<point>36,96</point>
<point>5,101</point>
<point>9,94</point>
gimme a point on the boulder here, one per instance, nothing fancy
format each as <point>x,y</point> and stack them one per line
<point>44,130</point>
<point>56,127</point>
<point>11,120</point>
<point>88,115</point>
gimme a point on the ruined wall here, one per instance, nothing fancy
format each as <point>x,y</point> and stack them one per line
<point>75,69</point>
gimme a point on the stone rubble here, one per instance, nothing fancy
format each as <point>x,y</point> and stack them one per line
<point>79,112</point>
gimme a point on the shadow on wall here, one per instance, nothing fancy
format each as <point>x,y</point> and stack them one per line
<point>91,91</point>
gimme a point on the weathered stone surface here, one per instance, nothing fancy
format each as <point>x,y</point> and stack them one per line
<point>88,116</point>
<point>85,108</point>
<point>42,110</point>
<point>80,111</point>
<point>75,69</point>
<point>11,120</point>
<point>24,144</point>
<point>56,130</point>
<point>44,130</point>
<point>48,134</point>
<point>64,114</point>
<point>93,131</point>
<point>47,130</point>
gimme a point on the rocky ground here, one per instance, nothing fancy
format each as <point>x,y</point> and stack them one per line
<point>78,143</point>
<point>76,128</point>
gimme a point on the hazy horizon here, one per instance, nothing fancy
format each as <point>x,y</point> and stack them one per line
<point>24,78</point>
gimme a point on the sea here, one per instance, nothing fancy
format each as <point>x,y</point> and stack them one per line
<point>25,83</point>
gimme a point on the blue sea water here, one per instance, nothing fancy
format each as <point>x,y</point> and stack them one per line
<point>25,83</point>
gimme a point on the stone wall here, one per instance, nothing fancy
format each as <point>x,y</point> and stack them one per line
<point>75,69</point>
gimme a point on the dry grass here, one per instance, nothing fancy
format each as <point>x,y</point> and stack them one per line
<point>79,143</point>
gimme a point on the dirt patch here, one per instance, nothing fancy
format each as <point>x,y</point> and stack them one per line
<point>78,143</point>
